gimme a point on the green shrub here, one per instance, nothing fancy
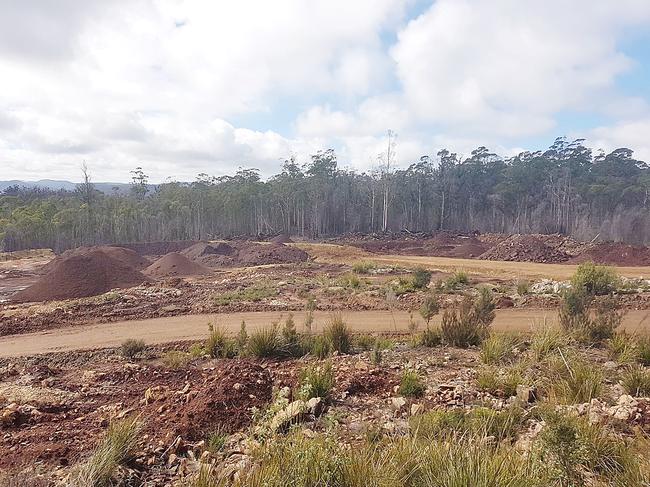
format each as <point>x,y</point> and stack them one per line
<point>456,281</point>
<point>321,347</point>
<point>523,287</point>
<point>411,384</point>
<point>421,278</point>
<point>316,381</point>
<point>594,279</point>
<point>575,451</point>
<point>130,348</point>
<point>547,340</point>
<point>349,281</point>
<point>500,381</point>
<point>376,356</point>
<point>636,381</point>
<point>430,307</point>
<point>363,267</point>
<point>572,380</point>
<point>242,337</point>
<point>338,334</point>
<point>216,441</point>
<point>253,294</point>
<point>264,343</point>
<point>115,449</point>
<point>622,348</point>
<point>175,359</point>
<point>431,337</point>
<point>478,422</point>
<point>498,348</point>
<point>643,350</point>
<point>291,343</point>
<point>217,345</point>
<point>469,324</point>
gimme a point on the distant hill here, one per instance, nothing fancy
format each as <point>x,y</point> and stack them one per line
<point>67,185</point>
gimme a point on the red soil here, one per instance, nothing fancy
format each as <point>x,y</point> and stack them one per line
<point>524,248</point>
<point>175,264</point>
<point>80,275</point>
<point>126,256</point>
<point>615,254</point>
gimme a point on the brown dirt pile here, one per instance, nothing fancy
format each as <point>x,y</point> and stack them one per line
<point>439,245</point>
<point>80,275</point>
<point>524,248</point>
<point>222,400</point>
<point>175,264</point>
<point>243,253</point>
<point>126,256</point>
<point>613,253</point>
<point>282,238</point>
<point>157,248</point>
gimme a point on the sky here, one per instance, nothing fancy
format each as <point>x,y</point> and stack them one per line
<point>187,87</point>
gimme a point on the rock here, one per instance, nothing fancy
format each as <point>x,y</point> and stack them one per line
<point>610,365</point>
<point>416,409</point>
<point>526,394</point>
<point>296,412</point>
<point>398,403</point>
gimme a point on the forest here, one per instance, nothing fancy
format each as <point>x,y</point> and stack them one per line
<point>567,188</point>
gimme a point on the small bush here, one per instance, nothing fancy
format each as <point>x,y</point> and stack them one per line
<point>411,384</point>
<point>217,345</point>
<point>291,343</point>
<point>594,279</point>
<point>456,281</point>
<point>131,348</point>
<point>421,278</point>
<point>349,281</point>
<point>216,441</point>
<point>469,324</point>
<point>376,356</point>
<point>363,267</point>
<point>572,380</point>
<point>636,381</point>
<point>115,449</point>
<point>253,294</point>
<point>523,287</point>
<point>547,340</point>
<point>264,343</point>
<point>316,381</point>
<point>242,337</point>
<point>430,307</point>
<point>498,348</point>
<point>321,347</point>
<point>431,337</point>
<point>338,334</point>
<point>175,359</point>
<point>621,347</point>
<point>500,382</point>
<point>643,350</point>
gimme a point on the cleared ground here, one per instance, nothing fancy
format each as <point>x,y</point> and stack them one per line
<point>338,254</point>
<point>195,327</point>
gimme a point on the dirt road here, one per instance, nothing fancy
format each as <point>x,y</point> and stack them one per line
<point>195,327</point>
<point>339,254</point>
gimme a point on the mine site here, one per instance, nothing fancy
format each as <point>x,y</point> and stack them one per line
<point>309,243</point>
<point>195,358</point>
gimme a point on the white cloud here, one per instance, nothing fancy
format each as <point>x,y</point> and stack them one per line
<point>158,83</point>
<point>632,134</point>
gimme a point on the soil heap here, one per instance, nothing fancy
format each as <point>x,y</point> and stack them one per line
<point>244,253</point>
<point>524,248</point>
<point>614,253</point>
<point>175,264</point>
<point>80,275</point>
<point>158,248</point>
<point>127,257</point>
<point>281,239</point>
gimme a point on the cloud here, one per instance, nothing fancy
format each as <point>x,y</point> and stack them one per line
<point>181,87</point>
<point>632,134</point>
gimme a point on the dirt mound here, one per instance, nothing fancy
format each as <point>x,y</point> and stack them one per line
<point>469,249</point>
<point>81,275</point>
<point>221,401</point>
<point>261,254</point>
<point>282,238</point>
<point>524,248</point>
<point>157,248</point>
<point>614,253</point>
<point>175,264</point>
<point>126,256</point>
<point>202,249</point>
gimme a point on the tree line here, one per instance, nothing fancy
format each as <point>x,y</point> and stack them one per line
<point>567,189</point>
